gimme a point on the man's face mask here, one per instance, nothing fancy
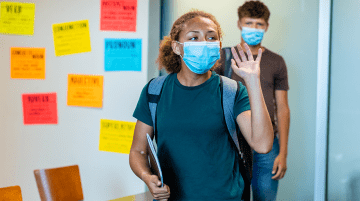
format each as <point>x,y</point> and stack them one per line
<point>200,57</point>
<point>252,36</point>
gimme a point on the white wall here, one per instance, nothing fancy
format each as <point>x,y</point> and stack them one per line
<point>154,37</point>
<point>293,34</point>
<point>75,139</point>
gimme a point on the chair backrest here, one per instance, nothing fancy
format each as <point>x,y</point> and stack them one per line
<point>12,193</point>
<point>58,184</point>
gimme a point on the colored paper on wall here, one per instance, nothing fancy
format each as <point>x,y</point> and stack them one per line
<point>122,54</point>
<point>127,198</point>
<point>27,63</point>
<point>17,18</point>
<point>40,108</point>
<point>118,15</point>
<point>85,90</point>
<point>116,136</point>
<point>71,37</point>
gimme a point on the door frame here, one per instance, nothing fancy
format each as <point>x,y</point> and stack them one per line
<point>322,100</point>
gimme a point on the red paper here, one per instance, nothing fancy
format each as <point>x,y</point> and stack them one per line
<point>118,15</point>
<point>40,108</point>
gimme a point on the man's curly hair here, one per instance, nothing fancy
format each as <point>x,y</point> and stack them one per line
<point>254,9</point>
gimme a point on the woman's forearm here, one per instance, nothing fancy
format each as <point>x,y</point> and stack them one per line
<point>262,135</point>
<point>139,164</point>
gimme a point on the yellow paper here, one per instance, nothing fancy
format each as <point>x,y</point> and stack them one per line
<point>17,18</point>
<point>71,37</point>
<point>85,90</point>
<point>128,198</point>
<point>27,63</point>
<point>116,136</point>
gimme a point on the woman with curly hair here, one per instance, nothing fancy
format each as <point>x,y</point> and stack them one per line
<point>197,158</point>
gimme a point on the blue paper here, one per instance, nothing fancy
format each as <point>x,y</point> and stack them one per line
<point>122,54</point>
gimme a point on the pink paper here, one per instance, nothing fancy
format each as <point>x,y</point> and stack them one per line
<point>118,15</point>
<point>40,108</point>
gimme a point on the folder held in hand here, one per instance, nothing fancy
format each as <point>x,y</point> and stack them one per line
<point>154,161</point>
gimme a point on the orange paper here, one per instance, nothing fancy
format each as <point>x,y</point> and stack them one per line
<point>118,15</point>
<point>40,108</point>
<point>27,63</point>
<point>85,90</point>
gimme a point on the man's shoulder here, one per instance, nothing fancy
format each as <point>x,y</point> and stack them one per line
<point>272,55</point>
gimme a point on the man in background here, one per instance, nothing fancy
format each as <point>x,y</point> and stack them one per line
<point>268,168</point>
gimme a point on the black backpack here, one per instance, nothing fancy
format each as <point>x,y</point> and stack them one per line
<point>228,56</point>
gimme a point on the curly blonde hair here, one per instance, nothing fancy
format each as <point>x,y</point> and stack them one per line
<point>167,58</point>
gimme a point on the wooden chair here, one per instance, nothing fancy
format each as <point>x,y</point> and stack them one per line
<point>59,184</point>
<point>12,193</point>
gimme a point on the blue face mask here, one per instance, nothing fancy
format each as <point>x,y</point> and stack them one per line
<point>252,36</point>
<point>200,57</point>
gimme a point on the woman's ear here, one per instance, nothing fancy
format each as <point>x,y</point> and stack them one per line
<point>175,47</point>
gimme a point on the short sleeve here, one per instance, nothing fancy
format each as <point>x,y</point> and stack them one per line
<point>281,77</point>
<point>142,110</point>
<point>242,102</point>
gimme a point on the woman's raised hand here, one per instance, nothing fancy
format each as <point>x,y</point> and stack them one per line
<point>246,68</point>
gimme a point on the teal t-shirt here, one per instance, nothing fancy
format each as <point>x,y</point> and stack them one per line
<point>195,153</point>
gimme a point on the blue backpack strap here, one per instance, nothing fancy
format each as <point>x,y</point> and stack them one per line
<point>230,89</point>
<point>228,56</point>
<point>153,94</point>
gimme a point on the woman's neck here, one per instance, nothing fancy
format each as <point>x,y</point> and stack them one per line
<point>191,79</point>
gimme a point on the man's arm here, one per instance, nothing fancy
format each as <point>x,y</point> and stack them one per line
<point>283,123</point>
<point>283,117</point>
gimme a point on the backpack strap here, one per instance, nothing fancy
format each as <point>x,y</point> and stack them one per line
<point>230,89</point>
<point>228,56</point>
<point>153,94</point>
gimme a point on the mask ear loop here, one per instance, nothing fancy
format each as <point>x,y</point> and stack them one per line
<point>179,51</point>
